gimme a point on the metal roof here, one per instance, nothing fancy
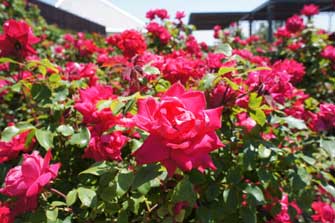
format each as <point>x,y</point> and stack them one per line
<point>67,20</point>
<point>102,13</point>
<point>279,10</point>
<point>204,21</point>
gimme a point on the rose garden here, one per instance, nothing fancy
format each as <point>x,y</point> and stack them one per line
<point>158,127</point>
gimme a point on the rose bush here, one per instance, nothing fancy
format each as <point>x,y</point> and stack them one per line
<point>158,127</point>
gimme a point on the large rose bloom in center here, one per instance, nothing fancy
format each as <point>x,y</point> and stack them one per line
<point>182,132</point>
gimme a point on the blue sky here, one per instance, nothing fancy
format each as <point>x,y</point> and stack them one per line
<point>139,7</point>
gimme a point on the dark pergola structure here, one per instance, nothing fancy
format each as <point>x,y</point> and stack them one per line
<point>270,11</point>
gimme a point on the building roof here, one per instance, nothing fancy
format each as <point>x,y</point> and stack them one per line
<point>100,12</point>
<point>68,20</point>
<point>204,21</point>
<point>280,10</point>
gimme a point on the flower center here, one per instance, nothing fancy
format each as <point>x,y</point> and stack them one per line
<point>17,46</point>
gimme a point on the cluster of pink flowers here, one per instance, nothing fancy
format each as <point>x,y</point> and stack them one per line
<point>295,70</point>
<point>324,120</point>
<point>130,42</point>
<point>180,68</point>
<point>102,145</point>
<point>84,46</point>
<point>158,13</point>
<point>182,132</point>
<point>329,53</point>
<point>283,216</point>
<point>159,32</point>
<point>77,71</point>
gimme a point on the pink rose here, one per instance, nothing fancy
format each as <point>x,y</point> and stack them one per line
<point>295,24</point>
<point>245,121</point>
<point>324,213</point>
<point>5,214</point>
<point>29,179</point>
<point>310,10</point>
<point>106,147</point>
<point>182,132</point>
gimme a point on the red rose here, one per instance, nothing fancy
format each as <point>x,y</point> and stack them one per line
<point>310,10</point>
<point>324,213</point>
<point>294,24</point>
<point>182,132</point>
<point>5,214</point>
<point>10,150</point>
<point>29,179</point>
<point>130,42</point>
<point>17,40</point>
<point>106,147</point>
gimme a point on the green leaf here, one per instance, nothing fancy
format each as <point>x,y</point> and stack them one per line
<point>230,197</point>
<point>65,130</point>
<point>184,192</point>
<point>55,78</point>
<point>295,123</point>
<point>57,204</point>
<point>61,93</point>
<point>40,93</point>
<point>248,215</point>
<point>96,169</point>
<point>124,181</point>
<point>256,192</point>
<point>328,146</point>
<point>52,214</point>
<point>255,101</point>
<point>116,106</point>
<point>102,104</point>
<point>122,217</point>
<point>330,189</point>
<point>44,138</point>
<point>9,132</point>
<point>146,174</point>
<point>81,139</point>
<point>225,49</point>
<point>207,81</point>
<point>180,216</point>
<point>151,70</point>
<point>259,116</point>
<point>264,152</point>
<point>232,84</point>
<point>16,87</point>
<point>8,60</point>
<point>67,219</point>
<point>162,85</point>
<point>225,70</point>
<point>87,196</point>
<point>71,197</point>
